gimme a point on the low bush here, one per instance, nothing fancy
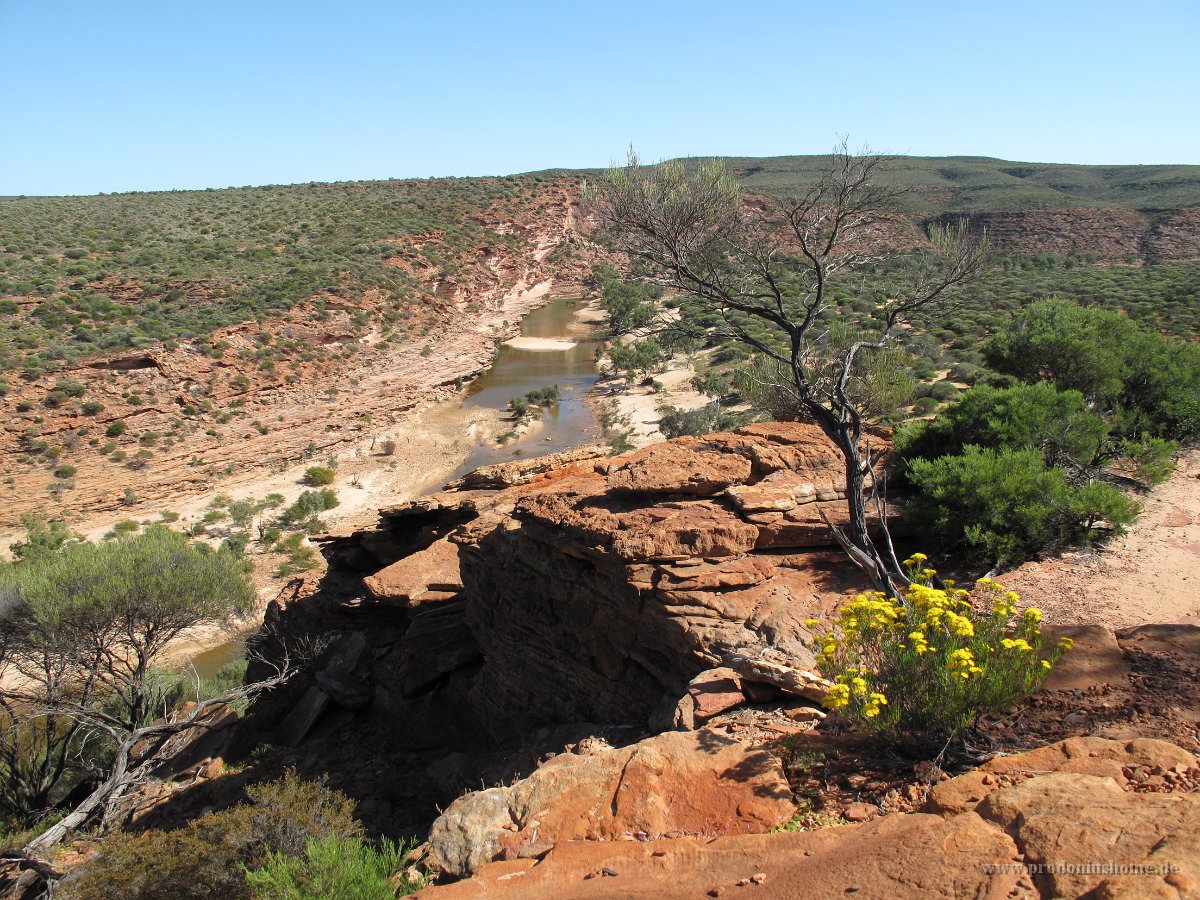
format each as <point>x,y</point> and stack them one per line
<point>319,476</point>
<point>337,867</point>
<point>1009,503</point>
<point>675,422</point>
<point>211,855</point>
<point>923,670</point>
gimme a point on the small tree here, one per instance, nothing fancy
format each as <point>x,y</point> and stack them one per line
<point>81,631</point>
<point>764,276</point>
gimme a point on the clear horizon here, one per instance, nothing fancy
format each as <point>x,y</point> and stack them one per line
<point>142,97</point>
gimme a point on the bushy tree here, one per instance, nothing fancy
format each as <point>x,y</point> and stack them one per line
<point>81,630</point>
<point>1145,383</point>
<point>1026,417</point>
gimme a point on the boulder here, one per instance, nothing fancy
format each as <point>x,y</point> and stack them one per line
<point>1086,833</point>
<point>683,783</point>
<point>1096,658</point>
<point>432,571</point>
<point>677,468</point>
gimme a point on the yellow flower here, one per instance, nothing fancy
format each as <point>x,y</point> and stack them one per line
<point>1065,643</point>
<point>1032,615</point>
<point>1046,664</point>
<point>1019,644</point>
<point>837,697</point>
<point>811,623</point>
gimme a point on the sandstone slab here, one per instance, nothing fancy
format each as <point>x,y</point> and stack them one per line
<point>691,783</point>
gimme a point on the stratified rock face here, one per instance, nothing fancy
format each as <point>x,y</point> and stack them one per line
<point>698,783</point>
<point>602,593</point>
<point>586,596</point>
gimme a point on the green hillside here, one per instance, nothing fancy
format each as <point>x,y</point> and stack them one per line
<point>939,184</point>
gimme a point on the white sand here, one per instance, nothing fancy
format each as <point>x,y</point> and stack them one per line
<point>536,343</point>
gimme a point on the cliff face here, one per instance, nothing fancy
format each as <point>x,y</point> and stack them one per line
<point>1109,235</point>
<point>590,593</point>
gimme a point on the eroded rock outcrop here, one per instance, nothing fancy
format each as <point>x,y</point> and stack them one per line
<point>586,595</point>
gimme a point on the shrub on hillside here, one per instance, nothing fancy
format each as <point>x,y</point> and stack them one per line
<point>337,867</point>
<point>209,857</point>
<point>676,422</point>
<point>924,669</point>
<point>319,476</point>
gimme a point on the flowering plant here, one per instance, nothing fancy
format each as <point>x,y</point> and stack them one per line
<point>929,665</point>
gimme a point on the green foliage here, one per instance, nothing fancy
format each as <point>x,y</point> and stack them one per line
<point>116,428</point>
<point>925,668</point>
<point>1008,502</point>
<point>1025,417</point>
<point>209,857</point>
<point>319,476</point>
<point>42,538</point>
<point>629,305</point>
<point>543,396</point>
<point>309,505</point>
<point>336,869</point>
<point>1146,382</point>
<point>158,572</point>
<point>675,422</point>
<point>637,359</point>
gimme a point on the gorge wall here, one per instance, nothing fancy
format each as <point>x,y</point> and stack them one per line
<point>480,627</point>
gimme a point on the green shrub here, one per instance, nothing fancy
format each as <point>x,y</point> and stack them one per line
<point>1008,502</point>
<point>336,869</point>
<point>675,422</point>
<point>319,476</point>
<point>309,504</point>
<point>545,396</point>
<point>92,408</point>
<point>924,670</point>
<point>116,429</point>
<point>209,857</point>
<point>66,470</point>
<point>1025,417</point>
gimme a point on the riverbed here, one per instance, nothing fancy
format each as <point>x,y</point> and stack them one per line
<point>556,346</point>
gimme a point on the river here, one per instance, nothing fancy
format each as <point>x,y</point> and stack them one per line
<point>568,359</point>
<point>566,356</point>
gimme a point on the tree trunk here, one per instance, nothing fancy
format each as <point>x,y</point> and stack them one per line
<point>110,788</point>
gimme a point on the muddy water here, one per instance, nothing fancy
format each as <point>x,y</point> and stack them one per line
<point>570,422</point>
<point>571,365</point>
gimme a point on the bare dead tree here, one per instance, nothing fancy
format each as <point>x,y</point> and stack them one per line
<point>775,262</point>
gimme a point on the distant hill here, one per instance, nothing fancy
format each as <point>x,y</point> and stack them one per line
<point>941,184</point>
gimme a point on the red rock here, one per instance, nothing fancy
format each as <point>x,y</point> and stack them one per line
<point>695,782</point>
<point>860,812</point>
<point>895,856</point>
<point>434,569</point>
<point>714,692</point>
<point>676,468</point>
<point>1096,658</point>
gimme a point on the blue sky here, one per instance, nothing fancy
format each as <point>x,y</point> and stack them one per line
<point>130,95</point>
